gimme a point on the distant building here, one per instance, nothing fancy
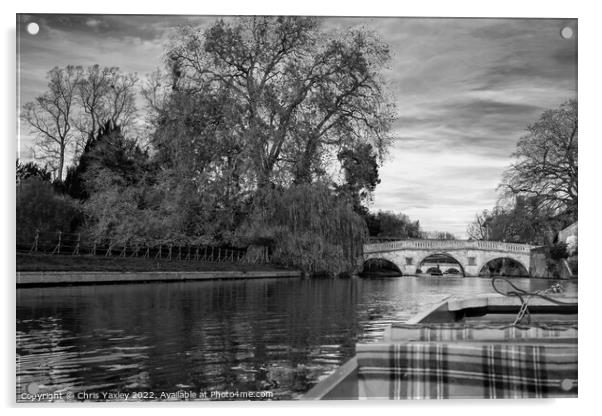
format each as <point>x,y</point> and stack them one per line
<point>569,236</point>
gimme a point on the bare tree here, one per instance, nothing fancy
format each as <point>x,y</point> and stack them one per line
<point>439,235</point>
<point>77,103</point>
<point>479,228</point>
<point>91,90</point>
<point>546,162</point>
<point>50,117</point>
<point>104,95</point>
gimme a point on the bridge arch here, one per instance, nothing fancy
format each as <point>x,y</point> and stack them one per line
<point>381,265</point>
<point>492,265</point>
<point>441,254</point>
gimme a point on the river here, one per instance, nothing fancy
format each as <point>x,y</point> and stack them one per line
<point>277,335</point>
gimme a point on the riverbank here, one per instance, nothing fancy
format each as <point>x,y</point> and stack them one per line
<point>33,279</point>
<point>89,263</point>
<point>45,269</point>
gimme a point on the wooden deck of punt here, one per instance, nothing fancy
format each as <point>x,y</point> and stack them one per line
<point>491,308</point>
<point>498,308</point>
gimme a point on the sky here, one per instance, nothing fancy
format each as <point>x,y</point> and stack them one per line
<point>465,90</point>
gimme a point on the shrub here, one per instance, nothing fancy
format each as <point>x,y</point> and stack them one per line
<point>39,207</point>
<point>559,251</point>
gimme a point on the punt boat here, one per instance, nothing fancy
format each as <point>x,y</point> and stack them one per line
<point>466,349</point>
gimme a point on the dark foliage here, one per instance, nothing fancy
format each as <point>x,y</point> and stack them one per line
<point>559,251</point>
<point>32,170</point>
<point>390,224</point>
<point>107,150</point>
<point>41,208</point>
<point>360,166</point>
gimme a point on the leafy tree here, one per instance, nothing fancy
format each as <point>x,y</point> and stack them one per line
<point>112,177</point>
<point>133,199</point>
<point>239,103</point>
<point>360,167</point>
<point>300,94</point>
<point>196,151</point>
<point>546,167</point>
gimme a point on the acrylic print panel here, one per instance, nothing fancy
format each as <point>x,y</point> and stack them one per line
<point>295,208</point>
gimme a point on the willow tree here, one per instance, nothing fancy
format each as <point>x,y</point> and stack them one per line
<point>303,94</point>
<point>306,226</point>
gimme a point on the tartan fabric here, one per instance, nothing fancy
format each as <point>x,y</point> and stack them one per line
<point>481,332</point>
<point>433,370</point>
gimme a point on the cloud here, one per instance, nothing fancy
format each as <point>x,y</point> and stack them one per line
<point>93,22</point>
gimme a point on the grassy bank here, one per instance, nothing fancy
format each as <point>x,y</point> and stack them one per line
<point>88,263</point>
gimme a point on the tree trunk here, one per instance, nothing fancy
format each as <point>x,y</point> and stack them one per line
<point>303,169</point>
<point>61,163</point>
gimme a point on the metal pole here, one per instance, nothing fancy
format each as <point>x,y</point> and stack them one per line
<point>34,247</point>
<point>76,251</point>
<point>57,249</point>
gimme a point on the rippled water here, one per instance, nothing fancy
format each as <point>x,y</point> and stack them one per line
<point>281,335</point>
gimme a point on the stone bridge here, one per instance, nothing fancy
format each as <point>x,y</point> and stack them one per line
<point>408,255</point>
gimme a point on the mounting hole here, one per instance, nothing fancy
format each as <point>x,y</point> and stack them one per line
<point>566,384</point>
<point>33,28</point>
<point>566,32</point>
<point>33,388</point>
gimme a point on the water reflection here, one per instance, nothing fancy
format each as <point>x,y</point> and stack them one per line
<point>282,335</point>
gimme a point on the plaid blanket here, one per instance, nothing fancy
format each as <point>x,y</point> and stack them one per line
<point>432,370</point>
<point>565,331</point>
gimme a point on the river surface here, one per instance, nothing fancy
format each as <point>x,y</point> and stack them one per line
<point>277,335</point>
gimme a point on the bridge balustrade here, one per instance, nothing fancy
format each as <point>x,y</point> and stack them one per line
<point>446,245</point>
